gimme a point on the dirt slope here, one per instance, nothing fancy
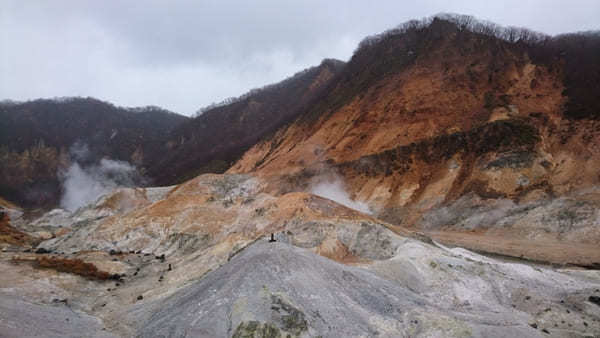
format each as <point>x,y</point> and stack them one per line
<point>195,260</point>
<point>443,128</point>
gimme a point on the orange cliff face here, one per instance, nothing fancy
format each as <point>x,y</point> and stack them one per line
<point>446,89</point>
<point>448,117</point>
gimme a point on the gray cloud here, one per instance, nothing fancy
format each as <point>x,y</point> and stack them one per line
<point>183,55</point>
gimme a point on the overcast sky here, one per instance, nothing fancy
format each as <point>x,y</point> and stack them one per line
<point>183,55</point>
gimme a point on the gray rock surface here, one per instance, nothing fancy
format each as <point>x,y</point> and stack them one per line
<point>196,262</point>
<point>20,318</point>
<point>279,289</point>
<point>572,218</point>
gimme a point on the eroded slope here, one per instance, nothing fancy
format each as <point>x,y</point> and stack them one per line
<point>195,260</point>
<point>441,128</point>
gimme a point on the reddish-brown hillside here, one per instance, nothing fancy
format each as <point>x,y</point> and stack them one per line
<point>450,111</point>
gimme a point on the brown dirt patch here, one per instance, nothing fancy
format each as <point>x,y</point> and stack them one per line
<point>541,250</point>
<point>74,266</point>
<point>10,235</point>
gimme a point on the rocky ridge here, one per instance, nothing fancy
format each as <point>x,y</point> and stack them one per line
<point>195,260</point>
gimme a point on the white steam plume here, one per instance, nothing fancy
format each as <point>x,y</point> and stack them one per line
<point>334,190</point>
<point>83,185</point>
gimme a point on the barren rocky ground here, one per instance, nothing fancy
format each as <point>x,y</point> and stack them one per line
<point>195,260</point>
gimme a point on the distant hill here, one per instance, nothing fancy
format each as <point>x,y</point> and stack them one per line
<point>35,138</point>
<point>214,140</point>
<point>408,87</point>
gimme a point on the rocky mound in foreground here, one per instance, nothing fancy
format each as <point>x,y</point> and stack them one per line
<point>274,289</point>
<point>195,260</point>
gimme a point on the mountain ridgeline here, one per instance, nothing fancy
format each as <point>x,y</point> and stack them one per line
<point>420,80</point>
<point>439,122</point>
<point>167,148</point>
<point>36,137</point>
<point>573,56</point>
<point>218,137</point>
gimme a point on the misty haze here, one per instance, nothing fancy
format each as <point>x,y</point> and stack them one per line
<point>335,190</point>
<point>299,169</point>
<point>82,186</point>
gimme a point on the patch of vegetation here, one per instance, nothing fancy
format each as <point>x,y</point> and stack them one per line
<point>189,242</point>
<point>292,319</point>
<point>566,219</point>
<point>74,266</point>
<point>513,160</point>
<point>576,55</point>
<point>255,329</point>
<point>499,136</point>
<point>489,100</point>
<point>567,214</point>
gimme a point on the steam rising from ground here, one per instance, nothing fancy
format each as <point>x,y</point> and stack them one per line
<point>335,191</point>
<point>84,184</point>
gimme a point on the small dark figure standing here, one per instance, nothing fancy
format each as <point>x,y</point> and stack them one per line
<point>272,238</point>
